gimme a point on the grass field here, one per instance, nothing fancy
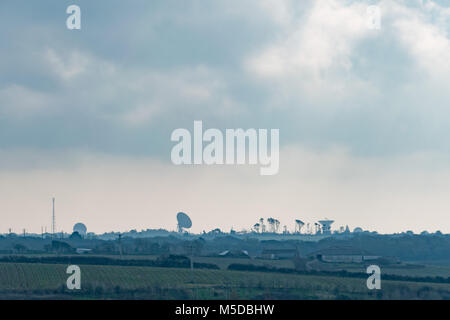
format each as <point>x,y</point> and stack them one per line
<point>222,263</point>
<point>404,269</point>
<point>413,269</point>
<point>42,280</point>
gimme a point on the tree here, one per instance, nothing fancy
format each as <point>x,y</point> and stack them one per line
<point>59,247</point>
<point>75,236</point>
<point>193,248</point>
<point>271,222</point>
<point>20,248</point>
<point>277,225</point>
<point>261,223</point>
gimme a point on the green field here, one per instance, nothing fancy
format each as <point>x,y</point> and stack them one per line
<point>413,269</point>
<point>404,269</point>
<point>418,269</point>
<point>45,280</point>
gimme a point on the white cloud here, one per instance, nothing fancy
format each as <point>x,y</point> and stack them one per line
<point>315,57</point>
<point>67,68</point>
<point>279,10</point>
<point>424,33</point>
<point>124,94</point>
<point>141,114</point>
<point>17,101</point>
<point>191,90</point>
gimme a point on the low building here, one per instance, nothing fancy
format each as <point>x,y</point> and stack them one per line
<point>234,254</point>
<point>344,254</point>
<point>276,254</point>
<point>83,250</point>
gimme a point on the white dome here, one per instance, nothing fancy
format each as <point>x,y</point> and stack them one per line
<point>358,230</point>
<point>80,228</point>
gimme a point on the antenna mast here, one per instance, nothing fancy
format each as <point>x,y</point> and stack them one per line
<point>53,218</point>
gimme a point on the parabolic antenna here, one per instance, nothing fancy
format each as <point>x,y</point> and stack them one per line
<point>184,222</point>
<point>80,228</point>
<point>298,226</point>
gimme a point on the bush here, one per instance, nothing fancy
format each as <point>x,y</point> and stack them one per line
<point>342,273</point>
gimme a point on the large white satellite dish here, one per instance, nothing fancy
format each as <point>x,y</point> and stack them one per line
<point>184,222</point>
<point>80,228</point>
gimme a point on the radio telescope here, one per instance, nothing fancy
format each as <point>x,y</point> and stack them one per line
<point>298,226</point>
<point>326,226</point>
<point>80,228</point>
<point>184,222</point>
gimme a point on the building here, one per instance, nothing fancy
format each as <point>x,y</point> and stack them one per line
<point>83,250</point>
<point>326,226</point>
<point>234,254</point>
<point>275,254</point>
<point>344,254</point>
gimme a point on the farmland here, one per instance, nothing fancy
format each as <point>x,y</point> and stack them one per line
<point>147,268</point>
<point>48,281</point>
<point>403,269</point>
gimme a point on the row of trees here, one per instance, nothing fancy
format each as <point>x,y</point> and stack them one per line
<point>274,225</point>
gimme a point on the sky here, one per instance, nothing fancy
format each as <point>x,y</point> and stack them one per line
<point>86,115</point>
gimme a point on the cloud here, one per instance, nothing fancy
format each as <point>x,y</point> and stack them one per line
<point>424,33</point>
<point>75,64</point>
<point>114,92</point>
<point>321,55</point>
<point>90,93</point>
<point>316,54</point>
<point>20,102</point>
<point>311,68</point>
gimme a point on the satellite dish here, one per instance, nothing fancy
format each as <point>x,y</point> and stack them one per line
<point>184,222</point>
<point>298,226</point>
<point>80,228</point>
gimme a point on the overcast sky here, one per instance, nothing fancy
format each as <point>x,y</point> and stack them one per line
<point>86,116</point>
